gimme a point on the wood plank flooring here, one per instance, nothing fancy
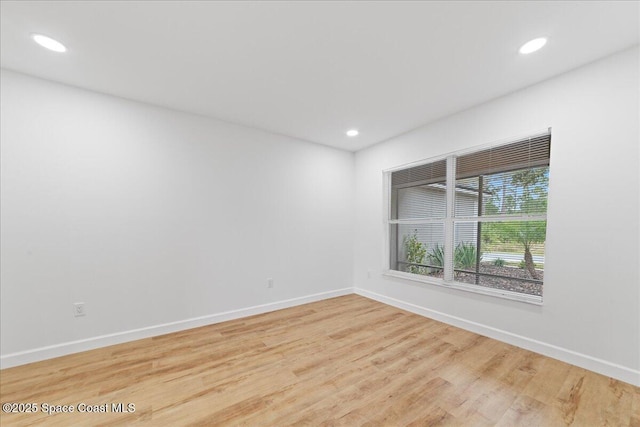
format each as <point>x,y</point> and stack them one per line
<point>345,361</point>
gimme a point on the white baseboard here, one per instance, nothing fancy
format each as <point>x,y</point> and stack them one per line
<point>49,352</point>
<point>600,366</point>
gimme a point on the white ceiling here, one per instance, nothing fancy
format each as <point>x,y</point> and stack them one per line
<point>312,70</point>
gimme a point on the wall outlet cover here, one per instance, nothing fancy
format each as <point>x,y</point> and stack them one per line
<point>79,309</point>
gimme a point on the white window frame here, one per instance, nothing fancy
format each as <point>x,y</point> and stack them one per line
<point>449,222</point>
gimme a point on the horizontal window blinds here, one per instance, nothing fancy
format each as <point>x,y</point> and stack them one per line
<point>527,153</point>
<point>419,175</point>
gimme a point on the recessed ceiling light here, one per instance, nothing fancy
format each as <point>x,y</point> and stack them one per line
<point>352,132</point>
<point>533,45</point>
<point>48,43</point>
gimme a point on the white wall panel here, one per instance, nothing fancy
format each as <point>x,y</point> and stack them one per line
<point>151,216</point>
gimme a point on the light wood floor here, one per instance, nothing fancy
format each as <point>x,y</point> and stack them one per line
<point>344,361</point>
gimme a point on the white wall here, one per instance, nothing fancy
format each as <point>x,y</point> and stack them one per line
<point>152,216</point>
<point>591,311</point>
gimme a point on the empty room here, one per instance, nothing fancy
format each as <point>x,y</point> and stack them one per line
<point>273,213</point>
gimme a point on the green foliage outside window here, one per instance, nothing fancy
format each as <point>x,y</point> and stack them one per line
<point>416,253</point>
<point>465,256</point>
<point>523,192</point>
<point>436,256</point>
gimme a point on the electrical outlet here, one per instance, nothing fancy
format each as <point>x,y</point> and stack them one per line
<point>78,309</point>
<point>269,282</point>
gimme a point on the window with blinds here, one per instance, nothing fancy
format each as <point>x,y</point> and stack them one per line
<point>475,220</point>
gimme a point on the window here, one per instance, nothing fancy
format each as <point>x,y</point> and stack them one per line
<point>474,220</point>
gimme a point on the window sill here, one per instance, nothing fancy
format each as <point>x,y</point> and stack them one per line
<point>498,293</point>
